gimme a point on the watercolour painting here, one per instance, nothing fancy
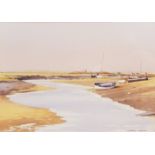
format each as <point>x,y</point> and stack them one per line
<point>77,77</point>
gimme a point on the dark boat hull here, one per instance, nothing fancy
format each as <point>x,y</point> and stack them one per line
<point>137,79</point>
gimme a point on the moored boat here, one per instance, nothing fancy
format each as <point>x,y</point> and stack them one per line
<point>107,85</point>
<point>137,79</point>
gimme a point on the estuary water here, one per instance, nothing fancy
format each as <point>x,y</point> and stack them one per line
<point>83,110</point>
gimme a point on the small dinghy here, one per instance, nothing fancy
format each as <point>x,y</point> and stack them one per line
<point>107,85</point>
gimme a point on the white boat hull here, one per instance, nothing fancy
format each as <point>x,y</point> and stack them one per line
<point>104,88</point>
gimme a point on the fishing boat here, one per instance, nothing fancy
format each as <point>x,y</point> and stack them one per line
<point>137,79</point>
<point>107,85</point>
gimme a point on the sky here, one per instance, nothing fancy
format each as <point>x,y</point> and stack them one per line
<point>115,47</point>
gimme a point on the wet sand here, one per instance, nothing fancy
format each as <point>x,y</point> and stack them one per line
<point>17,117</point>
<point>140,95</point>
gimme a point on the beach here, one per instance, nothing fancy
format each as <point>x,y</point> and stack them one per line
<point>17,117</point>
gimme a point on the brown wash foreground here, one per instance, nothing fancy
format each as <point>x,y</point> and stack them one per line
<point>16,117</point>
<point>140,95</point>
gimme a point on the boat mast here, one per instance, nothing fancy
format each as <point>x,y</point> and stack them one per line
<point>141,65</point>
<point>102,62</point>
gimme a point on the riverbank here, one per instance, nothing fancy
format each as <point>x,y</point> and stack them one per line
<point>140,95</point>
<point>17,117</point>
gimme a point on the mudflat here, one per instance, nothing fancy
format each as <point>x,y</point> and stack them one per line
<point>140,95</point>
<point>17,117</point>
